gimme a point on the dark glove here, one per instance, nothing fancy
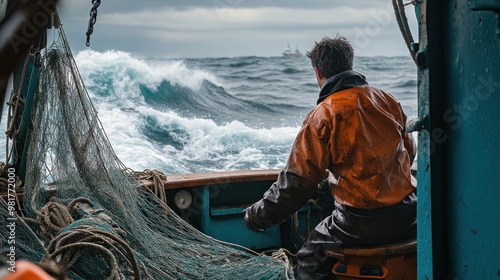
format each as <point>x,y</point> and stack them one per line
<point>249,221</point>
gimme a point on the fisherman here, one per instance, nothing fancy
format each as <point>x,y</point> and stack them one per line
<point>355,138</point>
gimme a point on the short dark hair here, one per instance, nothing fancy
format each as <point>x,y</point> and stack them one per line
<point>332,56</point>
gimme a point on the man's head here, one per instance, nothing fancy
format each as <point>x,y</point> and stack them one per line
<point>330,57</point>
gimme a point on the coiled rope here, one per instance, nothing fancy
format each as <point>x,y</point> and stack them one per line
<point>69,238</point>
<point>53,217</point>
<point>67,248</point>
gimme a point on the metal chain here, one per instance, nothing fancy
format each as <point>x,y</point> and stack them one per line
<point>92,20</point>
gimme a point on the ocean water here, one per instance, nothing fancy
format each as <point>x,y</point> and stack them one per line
<point>215,114</point>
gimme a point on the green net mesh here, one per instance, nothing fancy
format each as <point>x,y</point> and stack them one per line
<point>86,212</point>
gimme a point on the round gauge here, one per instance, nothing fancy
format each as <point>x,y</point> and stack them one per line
<point>183,199</point>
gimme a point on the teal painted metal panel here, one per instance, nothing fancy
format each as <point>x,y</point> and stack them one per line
<point>217,210</point>
<point>459,89</point>
<point>231,228</point>
<point>472,148</point>
<point>225,222</point>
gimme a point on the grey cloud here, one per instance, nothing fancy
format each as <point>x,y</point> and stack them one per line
<point>168,28</point>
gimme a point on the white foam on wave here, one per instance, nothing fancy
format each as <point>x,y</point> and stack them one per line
<point>205,145</point>
<point>126,72</point>
<point>224,147</point>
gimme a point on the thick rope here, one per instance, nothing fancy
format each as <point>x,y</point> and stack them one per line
<point>66,246</point>
<point>4,181</point>
<point>67,242</point>
<point>311,204</point>
<point>53,217</point>
<point>284,255</point>
<point>159,178</point>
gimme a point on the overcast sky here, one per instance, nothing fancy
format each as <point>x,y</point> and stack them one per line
<point>228,28</point>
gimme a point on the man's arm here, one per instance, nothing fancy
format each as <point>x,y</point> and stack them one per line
<point>282,199</point>
<point>296,183</point>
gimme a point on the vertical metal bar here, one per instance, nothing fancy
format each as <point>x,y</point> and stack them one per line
<point>424,209</point>
<point>430,155</point>
<point>206,221</point>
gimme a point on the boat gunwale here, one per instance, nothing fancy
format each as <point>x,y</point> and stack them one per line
<point>178,181</point>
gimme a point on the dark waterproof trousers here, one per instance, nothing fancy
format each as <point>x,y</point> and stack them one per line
<point>351,227</point>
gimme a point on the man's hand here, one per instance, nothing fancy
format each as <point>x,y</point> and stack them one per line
<point>249,221</point>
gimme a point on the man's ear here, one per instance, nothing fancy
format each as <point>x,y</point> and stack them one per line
<point>319,74</point>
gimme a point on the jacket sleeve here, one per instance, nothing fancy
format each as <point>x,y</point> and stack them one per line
<point>296,183</point>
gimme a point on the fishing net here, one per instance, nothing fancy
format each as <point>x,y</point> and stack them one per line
<point>86,211</point>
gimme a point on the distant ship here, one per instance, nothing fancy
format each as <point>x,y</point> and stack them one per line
<point>288,52</point>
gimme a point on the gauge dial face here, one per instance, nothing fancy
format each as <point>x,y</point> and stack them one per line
<point>183,199</point>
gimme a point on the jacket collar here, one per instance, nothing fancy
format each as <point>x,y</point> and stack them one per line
<point>341,81</point>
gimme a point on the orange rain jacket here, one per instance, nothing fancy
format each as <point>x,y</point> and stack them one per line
<point>355,136</point>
